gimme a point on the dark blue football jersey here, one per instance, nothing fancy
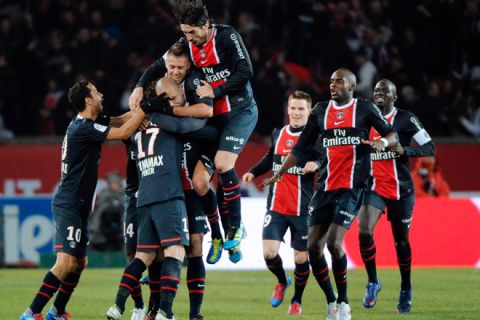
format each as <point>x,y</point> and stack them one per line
<point>81,152</point>
<point>159,161</point>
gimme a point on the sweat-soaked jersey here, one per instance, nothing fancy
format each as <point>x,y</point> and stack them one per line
<point>292,195</point>
<point>391,176</point>
<point>159,165</point>
<point>345,160</point>
<point>226,65</point>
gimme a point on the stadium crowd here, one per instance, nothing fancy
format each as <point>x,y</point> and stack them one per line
<point>433,56</point>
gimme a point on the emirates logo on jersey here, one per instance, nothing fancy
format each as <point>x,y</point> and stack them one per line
<point>203,54</point>
<point>289,143</point>
<point>340,115</point>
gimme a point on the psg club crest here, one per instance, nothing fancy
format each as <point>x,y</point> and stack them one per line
<point>340,116</point>
<point>203,54</point>
<point>289,143</point>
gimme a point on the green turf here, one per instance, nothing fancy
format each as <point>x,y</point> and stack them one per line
<point>438,294</point>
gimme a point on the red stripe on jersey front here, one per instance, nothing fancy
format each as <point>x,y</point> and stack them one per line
<point>341,159</point>
<point>207,54</point>
<point>384,172</point>
<point>205,57</point>
<point>287,194</point>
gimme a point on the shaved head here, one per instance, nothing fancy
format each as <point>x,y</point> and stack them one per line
<point>347,76</point>
<point>171,88</point>
<point>389,84</point>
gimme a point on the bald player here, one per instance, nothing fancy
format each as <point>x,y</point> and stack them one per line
<point>163,223</point>
<point>391,190</point>
<point>343,125</point>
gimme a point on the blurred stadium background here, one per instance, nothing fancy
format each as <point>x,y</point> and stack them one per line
<point>429,48</point>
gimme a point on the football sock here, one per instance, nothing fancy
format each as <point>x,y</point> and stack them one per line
<point>404,258</point>
<point>301,272</point>
<point>65,292</point>
<point>169,280</point>
<point>222,208</point>
<point>320,272</point>
<point>131,275</point>
<point>339,267</point>
<point>48,288</point>
<point>210,208</point>
<point>154,272</point>
<point>195,284</point>
<point>368,252</point>
<point>231,194</point>
<point>275,265</point>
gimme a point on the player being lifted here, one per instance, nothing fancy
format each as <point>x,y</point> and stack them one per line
<point>392,191</point>
<point>343,125</point>
<point>287,203</point>
<point>220,53</point>
<point>72,202</point>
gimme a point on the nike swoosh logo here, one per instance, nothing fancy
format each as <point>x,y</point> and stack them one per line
<point>236,147</point>
<point>203,61</point>
<point>338,122</point>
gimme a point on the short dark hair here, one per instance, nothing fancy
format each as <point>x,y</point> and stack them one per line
<point>301,95</point>
<point>191,12</point>
<point>77,94</point>
<point>178,50</point>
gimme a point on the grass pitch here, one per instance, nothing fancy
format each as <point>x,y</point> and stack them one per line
<point>232,295</point>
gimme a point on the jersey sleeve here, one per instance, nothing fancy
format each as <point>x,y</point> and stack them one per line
<point>242,70</point>
<point>265,163</point>
<point>192,83</point>
<point>417,133</point>
<point>376,120</point>
<point>303,148</point>
<point>93,132</point>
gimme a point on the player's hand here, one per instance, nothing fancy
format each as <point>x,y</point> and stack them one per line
<point>275,178</point>
<point>159,103</point>
<point>247,178</point>
<point>205,90</point>
<point>310,167</point>
<point>135,98</point>
<point>378,145</point>
<point>144,125</point>
<point>397,148</point>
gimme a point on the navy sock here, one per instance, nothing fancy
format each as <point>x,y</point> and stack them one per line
<point>154,273</point>
<point>302,271</point>
<point>404,258</point>
<point>339,267</point>
<point>231,194</point>
<point>210,208</point>
<point>368,252</point>
<point>222,208</point>
<point>131,276</point>
<point>275,265</point>
<point>49,286</point>
<point>169,278</point>
<point>196,284</point>
<point>65,292</point>
<point>320,272</point>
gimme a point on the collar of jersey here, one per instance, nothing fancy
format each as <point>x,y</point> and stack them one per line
<point>391,113</point>
<point>343,106</point>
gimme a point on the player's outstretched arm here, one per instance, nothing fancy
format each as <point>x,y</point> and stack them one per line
<point>117,122</point>
<point>289,162</point>
<point>128,128</point>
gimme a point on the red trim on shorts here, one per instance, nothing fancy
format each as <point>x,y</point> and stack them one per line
<point>170,239</point>
<point>148,246</point>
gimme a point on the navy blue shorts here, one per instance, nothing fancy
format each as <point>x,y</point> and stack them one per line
<point>399,211</point>
<point>197,220</point>
<point>338,206</point>
<point>162,224</point>
<point>275,226</point>
<point>236,127</point>
<point>130,225</point>
<point>71,230</point>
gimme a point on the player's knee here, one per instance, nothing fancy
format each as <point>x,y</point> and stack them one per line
<point>300,257</point>
<point>402,244</point>
<point>200,185</point>
<point>81,264</point>
<point>314,251</point>
<point>223,165</point>
<point>130,255</point>
<point>195,248</point>
<point>335,248</point>
<point>364,228</point>
<point>269,253</point>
